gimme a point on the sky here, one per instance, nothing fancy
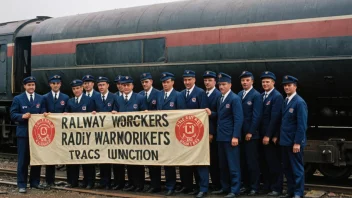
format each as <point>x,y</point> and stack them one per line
<point>15,10</point>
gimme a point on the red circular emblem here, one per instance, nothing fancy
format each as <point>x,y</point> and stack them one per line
<point>43,132</point>
<point>189,130</point>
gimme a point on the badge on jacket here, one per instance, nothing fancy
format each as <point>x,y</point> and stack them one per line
<point>268,103</point>
<point>249,103</point>
<point>62,103</point>
<point>194,99</point>
<point>24,107</point>
<point>291,110</point>
<point>38,106</point>
<point>84,108</point>
<point>227,106</point>
<point>135,106</point>
<point>171,104</point>
<point>109,104</point>
<point>154,102</point>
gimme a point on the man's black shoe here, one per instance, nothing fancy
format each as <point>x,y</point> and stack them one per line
<point>169,193</point>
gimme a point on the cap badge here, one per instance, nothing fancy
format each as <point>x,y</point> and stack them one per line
<point>74,82</point>
<point>266,72</point>
<point>126,77</point>
<point>219,75</point>
<point>286,77</point>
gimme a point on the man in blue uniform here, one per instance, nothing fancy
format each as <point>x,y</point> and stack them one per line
<point>104,102</point>
<point>150,95</point>
<point>118,85</point>
<point>230,119</point>
<point>169,99</point>
<point>54,102</point>
<point>129,102</point>
<point>252,105</point>
<point>195,98</point>
<point>88,85</point>
<point>79,103</point>
<point>213,97</point>
<point>269,131</point>
<point>22,107</point>
<point>293,137</point>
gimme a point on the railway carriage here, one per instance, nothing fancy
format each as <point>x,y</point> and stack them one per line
<point>308,39</point>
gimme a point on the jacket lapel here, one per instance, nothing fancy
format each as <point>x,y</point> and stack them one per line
<point>25,98</point>
<point>293,100</point>
<point>168,97</point>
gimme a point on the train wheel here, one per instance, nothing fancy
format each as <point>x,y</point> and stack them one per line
<point>309,169</point>
<point>335,172</point>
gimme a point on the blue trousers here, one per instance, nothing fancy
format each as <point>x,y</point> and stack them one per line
<point>105,175</point>
<point>23,163</point>
<point>271,167</point>
<point>293,170</point>
<point>229,162</point>
<point>88,174</point>
<point>250,164</point>
<point>155,176</point>
<point>170,177</point>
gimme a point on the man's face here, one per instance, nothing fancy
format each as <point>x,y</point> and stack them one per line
<point>290,88</point>
<point>189,82</point>
<point>77,91</point>
<point>29,87</point>
<point>88,86</point>
<point>209,83</point>
<point>147,84</point>
<point>119,87</point>
<point>168,84</point>
<point>224,87</point>
<point>103,87</point>
<point>268,84</point>
<point>127,88</point>
<point>246,82</point>
<point>55,86</point>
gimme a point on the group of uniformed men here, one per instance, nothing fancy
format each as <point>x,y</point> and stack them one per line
<point>253,137</point>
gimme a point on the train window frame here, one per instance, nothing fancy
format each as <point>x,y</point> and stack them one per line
<point>142,52</point>
<point>3,53</point>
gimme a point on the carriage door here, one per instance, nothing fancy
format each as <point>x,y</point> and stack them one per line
<point>22,62</point>
<point>3,68</point>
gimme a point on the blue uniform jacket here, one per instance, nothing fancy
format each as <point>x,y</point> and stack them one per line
<point>271,118</point>
<point>20,106</point>
<point>109,105</point>
<point>252,106</point>
<point>57,106</point>
<point>135,103</point>
<point>197,99</point>
<point>84,105</point>
<point>213,100</point>
<point>152,99</point>
<point>294,122</point>
<point>174,101</point>
<point>230,118</point>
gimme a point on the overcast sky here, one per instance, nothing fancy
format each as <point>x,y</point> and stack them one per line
<point>15,10</point>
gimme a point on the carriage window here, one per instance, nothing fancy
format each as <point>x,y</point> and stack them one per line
<point>122,52</point>
<point>2,53</point>
<point>154,50</point>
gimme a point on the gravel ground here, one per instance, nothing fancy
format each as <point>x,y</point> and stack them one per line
<point>12,192</point>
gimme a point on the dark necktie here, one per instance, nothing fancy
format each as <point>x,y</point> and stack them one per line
<point>55,97</point>
<point>165,96</point>
<point>286,101</point>
<point>222,99</point>
<point>31,99</point>
<point>207,93</point>
<point>265,95</point>
<point>244,94</point>
<point>126,98</point>
<point>88,95</point>
<point>76,100</point>
<point>146,95</point>
<point>103,98</point>
<point>187,94</point>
